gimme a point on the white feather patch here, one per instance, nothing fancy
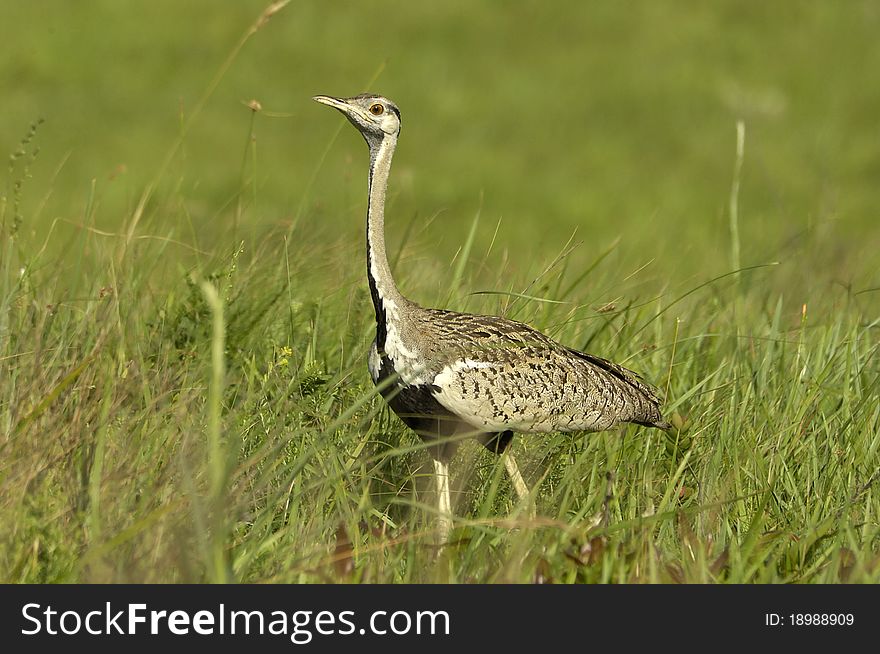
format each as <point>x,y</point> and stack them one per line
<point>374,363</point>
<point>390,306</point>
<point>405,360</point>
<point>476,413</point>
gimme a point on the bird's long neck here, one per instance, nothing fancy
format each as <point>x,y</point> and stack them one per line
<point>387,300</point>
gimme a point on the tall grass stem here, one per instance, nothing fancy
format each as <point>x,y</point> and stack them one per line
<point>734,196</point>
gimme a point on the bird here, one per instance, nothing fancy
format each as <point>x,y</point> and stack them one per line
<point>451,375</point>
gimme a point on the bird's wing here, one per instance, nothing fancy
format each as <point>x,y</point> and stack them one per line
<point>506,375</point>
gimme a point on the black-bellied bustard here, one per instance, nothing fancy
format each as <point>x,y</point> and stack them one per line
<point>455,374</point>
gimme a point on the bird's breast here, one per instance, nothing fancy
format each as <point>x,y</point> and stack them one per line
<point>398,356</point>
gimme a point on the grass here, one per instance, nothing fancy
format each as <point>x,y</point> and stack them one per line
<point>182,347</point>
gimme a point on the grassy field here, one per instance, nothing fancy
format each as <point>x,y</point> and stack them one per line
<point>184,315</point>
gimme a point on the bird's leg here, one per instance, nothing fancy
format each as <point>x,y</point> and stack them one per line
<point>444,500</point>
<point>517,480</point>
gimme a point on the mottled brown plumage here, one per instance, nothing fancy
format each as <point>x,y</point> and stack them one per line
<point>497,374</point>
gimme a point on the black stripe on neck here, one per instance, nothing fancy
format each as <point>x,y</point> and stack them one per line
<point>378,305</point>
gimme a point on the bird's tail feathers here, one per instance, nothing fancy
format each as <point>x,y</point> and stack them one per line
<point>634,382</point>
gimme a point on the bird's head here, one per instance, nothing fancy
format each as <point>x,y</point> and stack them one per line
<point>374,116</point>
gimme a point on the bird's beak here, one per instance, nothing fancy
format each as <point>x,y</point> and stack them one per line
<point>355,114</point>
<point>336,103</point>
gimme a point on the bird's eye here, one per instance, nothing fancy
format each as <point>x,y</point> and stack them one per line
<point>377,109</point>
